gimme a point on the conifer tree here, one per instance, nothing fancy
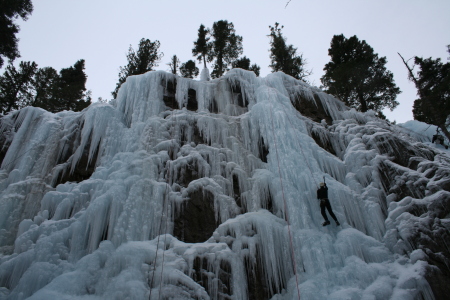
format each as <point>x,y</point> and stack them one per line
<point>71,92</point>
<point>139,62</point>
<point>174,63</point>
<point>225,47</point>
<point>244,63</point>
<point>189,70</point>
<point>16,86</point>
<point>432,81</point>
<point>45,87</point>
<point>284,57</point>
<point>357,76</point>
<point>202,46</point>
<point>11,10</point>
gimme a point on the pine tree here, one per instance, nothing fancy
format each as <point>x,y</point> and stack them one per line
<point>433,88</point>
<point>11,10</point>
<point>45,88</point>
<point>284,57</point>
<point>174,63</point>
<point>225,48</point>
<point>201,46</point>
<point>145,59</point>
<point>244,63</point>
<point>45,84</point>
<point>16,86</point>
<point>357,76</point>
<point>71,89</point>
<point>189,70</point>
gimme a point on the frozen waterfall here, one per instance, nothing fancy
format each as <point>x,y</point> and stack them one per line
<point>184,189</point>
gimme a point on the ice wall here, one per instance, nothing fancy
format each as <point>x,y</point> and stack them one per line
<point>184,189</point>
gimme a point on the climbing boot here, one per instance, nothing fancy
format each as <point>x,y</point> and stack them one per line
<point>337,223</point>
<point>326,223</point>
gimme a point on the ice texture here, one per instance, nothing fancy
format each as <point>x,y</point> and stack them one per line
<point>184,189</point>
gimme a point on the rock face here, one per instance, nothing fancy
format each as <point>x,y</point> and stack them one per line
<point>184,189</point>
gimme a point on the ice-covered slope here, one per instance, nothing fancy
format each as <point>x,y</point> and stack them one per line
<point>187,189</point>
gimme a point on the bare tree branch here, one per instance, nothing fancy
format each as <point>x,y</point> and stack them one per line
<point>411,76</point>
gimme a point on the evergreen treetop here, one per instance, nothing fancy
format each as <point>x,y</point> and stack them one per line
<point>244,63</point>
<point>202,46</point>
<point>226,46</point>
<point>432,82</point>
<point>189,70</point>
<point>139,62</point>
<point>357,76</point>
<point>9,11</point>
<point>174,64</point>
<point>45,85</point>
<point>16,86</point>
<point>45,88</point>
<point>71,90</point>
<point>284,57</point>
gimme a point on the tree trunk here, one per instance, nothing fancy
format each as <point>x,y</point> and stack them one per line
<point>413,78</point>
<point>445,131</point>
<point>220,65</point>
<point>363,102</point>
<point>423,97</point>
<point>13,99</point>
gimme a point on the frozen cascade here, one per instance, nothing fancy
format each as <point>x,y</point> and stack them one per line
<point>183,189</point>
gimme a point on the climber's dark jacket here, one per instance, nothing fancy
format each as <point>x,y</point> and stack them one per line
<point>322,192</point>
<point>322,195</point>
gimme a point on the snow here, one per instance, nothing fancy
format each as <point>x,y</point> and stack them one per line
<point>111,236</point>
<point>204,75</point>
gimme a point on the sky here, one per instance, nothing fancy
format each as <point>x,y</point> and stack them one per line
<point>60,32</point>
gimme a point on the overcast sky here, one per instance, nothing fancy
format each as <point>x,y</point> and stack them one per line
<point>59,32</point>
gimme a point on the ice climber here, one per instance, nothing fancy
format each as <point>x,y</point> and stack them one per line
<point>322,195</point>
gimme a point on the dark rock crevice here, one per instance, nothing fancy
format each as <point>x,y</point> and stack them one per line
<point>170,89</point>
<point>70,143</point>
<point>310,108</point>
<point>213,107</point>
<point>190,133</point>
<point>269,202</point>
<point>236,191</point>
<point>4,146</point>
<point>218,287</point>
<point>324,143</point>
<point>396,181</point>
<point>258,287</point>
<point>83,169</point>
<point>263,150</point>
<point>236,91</point>
<point>192,103</point>
<point>196,221</point>
<point>399,150</point>
<point>187,174</point>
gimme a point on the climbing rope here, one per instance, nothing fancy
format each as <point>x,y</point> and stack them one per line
<point>285,207</point>
<point>165,211</point>
<point>165,205</point>
<point>165,229</point>
<point>301,149</point>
